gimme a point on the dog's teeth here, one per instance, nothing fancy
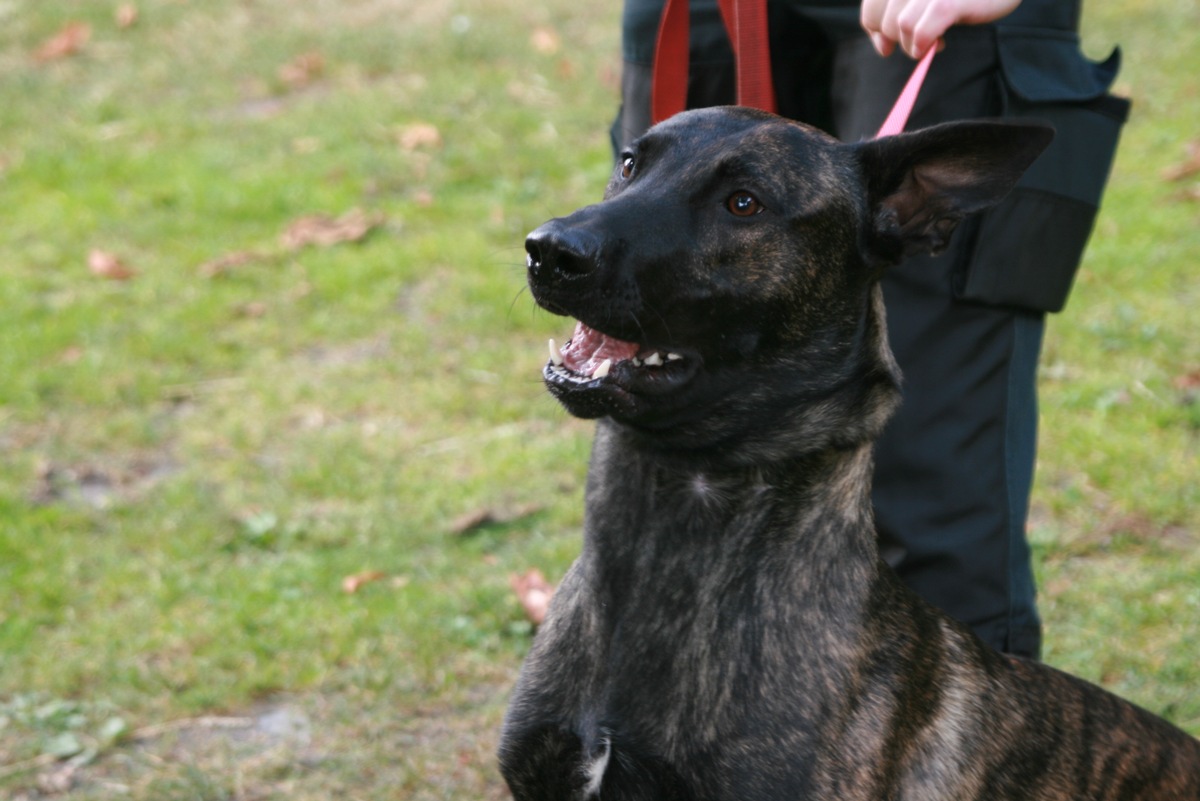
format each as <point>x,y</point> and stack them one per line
<point>602,370</point>
<point>674,357</point>
<point>637,362</point>
<point>555,354</point>
<point>654,360</point>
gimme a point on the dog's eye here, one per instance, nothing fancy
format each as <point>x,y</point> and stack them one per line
<point>743,204</point>
<point>627,167</point>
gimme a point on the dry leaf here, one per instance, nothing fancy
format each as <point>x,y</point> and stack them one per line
<point>67,42</point>
<point>1191,193</point>
<point>107,265</point>
<point>534,593</point>
<point>545,41</point>
<point>324,231</point>
<point>126,15</point>
<point>471,521</point>
<point>1188,167</point>
<point>302,70</point>
<point>480,518</point>
<point>352,584</point>
<point>223,264</point>
<point>1187,380</point>
<point>418,135</point>
<point>71,355</point>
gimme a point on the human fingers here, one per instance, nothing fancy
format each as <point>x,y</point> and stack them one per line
<point>871,16</point>
<point>922,24</point>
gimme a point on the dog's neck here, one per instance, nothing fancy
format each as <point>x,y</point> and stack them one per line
<point>647,515</point>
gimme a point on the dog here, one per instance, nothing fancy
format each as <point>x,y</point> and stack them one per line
<point>729,630</point>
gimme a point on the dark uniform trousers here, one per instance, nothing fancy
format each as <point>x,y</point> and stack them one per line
<point>955,466</point>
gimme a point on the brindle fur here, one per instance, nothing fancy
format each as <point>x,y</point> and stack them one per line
<point>729,630</point>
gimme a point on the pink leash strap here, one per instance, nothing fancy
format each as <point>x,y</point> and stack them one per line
<point>898,117</point>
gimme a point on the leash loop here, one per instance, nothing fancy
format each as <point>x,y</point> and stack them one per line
<point>746,23</point>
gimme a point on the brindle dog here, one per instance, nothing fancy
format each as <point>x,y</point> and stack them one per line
<point>729,630</point>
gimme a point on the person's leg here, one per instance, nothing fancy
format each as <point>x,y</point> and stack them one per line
<point>954,468</point>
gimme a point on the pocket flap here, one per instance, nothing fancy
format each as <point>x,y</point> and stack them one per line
<point>1048,66</point>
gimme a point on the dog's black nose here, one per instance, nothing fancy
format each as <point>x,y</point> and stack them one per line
<point>556,250</point>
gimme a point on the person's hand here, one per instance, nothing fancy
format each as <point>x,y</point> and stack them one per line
<point>917,25</point>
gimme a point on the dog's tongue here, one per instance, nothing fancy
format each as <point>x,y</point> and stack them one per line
<point>588,349</point>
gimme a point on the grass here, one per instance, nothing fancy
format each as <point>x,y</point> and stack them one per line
<point>196,458</point>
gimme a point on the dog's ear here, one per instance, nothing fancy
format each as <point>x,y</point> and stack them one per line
<point>921,184</point>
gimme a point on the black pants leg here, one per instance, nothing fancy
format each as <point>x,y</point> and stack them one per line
<point>954,469</point>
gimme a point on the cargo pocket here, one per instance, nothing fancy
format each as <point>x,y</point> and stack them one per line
<point>1028,248</point>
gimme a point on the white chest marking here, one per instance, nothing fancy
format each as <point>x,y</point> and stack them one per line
<point>595,772</point>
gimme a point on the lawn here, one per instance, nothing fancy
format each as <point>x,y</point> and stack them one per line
<point>273,433</point>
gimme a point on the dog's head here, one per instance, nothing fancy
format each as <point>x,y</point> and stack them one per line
<point>724,286</point>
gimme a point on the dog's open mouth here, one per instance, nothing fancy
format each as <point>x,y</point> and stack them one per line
<point>592,358</point>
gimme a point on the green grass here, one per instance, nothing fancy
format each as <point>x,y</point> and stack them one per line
<point>192,463</point>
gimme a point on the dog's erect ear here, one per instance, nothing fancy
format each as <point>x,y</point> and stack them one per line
<point>921,184</point>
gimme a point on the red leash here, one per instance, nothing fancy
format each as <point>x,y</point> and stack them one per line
<point>746,22</point>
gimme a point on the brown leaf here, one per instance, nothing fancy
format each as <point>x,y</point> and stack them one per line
<point>302,70</point>
<point>352,584</point>
<point>223,264</point>
<point>481,518</point>
<point>472,521</point>
<point>67,42</point>
<point>324,231</point>
<point>1188,167</point>
<point>253,309</point>
<point>71,355</point>
<point>545,41</point>
<point>107,265</point>
<point>419,135</point>
<point>1190,380</point>
<point>1189,193</point>
<point>534,593</point>
<point>126,15</point>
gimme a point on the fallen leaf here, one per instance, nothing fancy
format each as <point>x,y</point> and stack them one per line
<point>322,230</point>
<point>419,135</point>
<point>1188,167</point>
<point>534,593</point>
<point>126,15</point>
<point>67,42</point>
<point>71,355</point>
<point>1189,380</point>
<point>254,308</point>
<point>1190,193</point>
<point>302,70</point>
<point>352,584</point>
<point>480,518</point>
<point>223,264</point>
<point>545,41</point>
<point>472,521</point>
<point>107,265</point>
